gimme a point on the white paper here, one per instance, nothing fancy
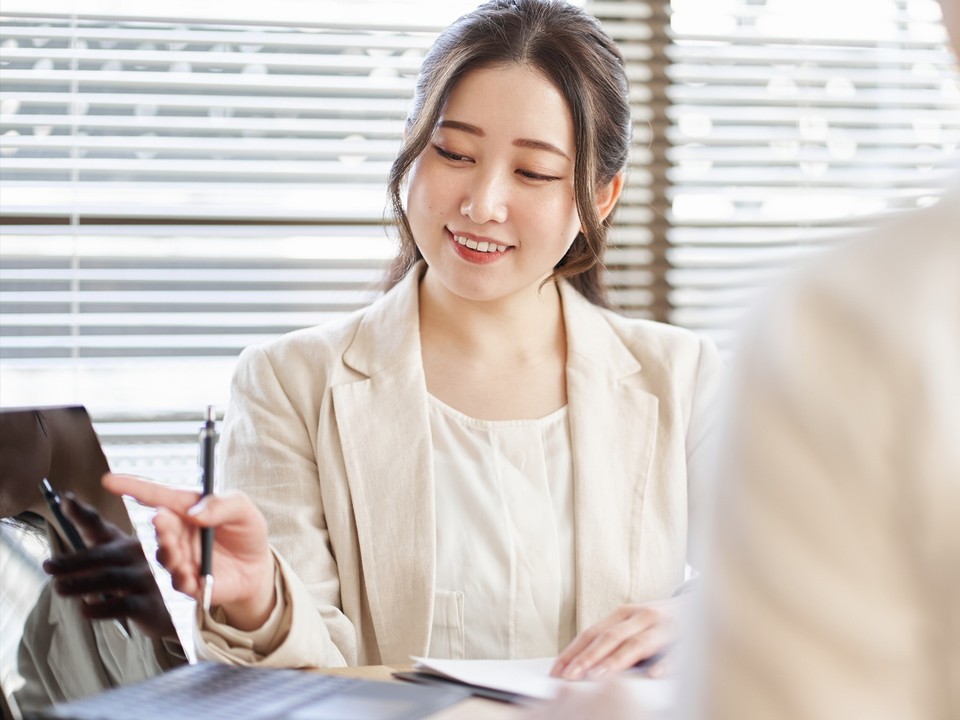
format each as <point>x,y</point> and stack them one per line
<point>532,679</point>
<point>524,677</point>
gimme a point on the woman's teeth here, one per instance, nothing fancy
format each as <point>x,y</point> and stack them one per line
<point>487,247</point>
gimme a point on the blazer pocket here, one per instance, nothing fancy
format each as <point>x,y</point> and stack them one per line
<point>447,635</point>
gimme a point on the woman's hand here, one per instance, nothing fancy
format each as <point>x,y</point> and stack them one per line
<point>243,565</point>
<point>111,574</point>
<point>631,634</point>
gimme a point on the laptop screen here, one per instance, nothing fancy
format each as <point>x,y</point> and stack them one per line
<point>49,652</point>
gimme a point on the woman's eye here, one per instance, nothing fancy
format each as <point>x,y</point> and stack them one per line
<point>447,155</point>
<point>537,176</point>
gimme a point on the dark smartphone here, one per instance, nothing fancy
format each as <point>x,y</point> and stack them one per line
<point>66,527</point>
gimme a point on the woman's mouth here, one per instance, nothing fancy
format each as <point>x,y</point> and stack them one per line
<point>482,246</point>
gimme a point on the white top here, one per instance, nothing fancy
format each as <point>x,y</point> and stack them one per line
<point>505,552</point>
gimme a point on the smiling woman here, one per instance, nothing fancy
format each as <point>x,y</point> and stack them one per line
<point>486,462</point>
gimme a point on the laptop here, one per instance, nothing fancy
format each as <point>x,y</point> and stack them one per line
<point>38,655</point>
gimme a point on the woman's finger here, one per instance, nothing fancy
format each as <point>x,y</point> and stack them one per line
<point>152,494</point>
<point>580,643</point>
<point>176,552</point>
<point>585,655</point>
<point>634,649</point>
<point>562,665</point>
<point>605,644</point>
<point>232,511</point>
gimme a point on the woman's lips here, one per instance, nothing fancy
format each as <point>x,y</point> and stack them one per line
<point>484,246</point>
<point>477,251</point>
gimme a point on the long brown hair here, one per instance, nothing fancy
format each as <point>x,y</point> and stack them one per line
<point>571,50</point>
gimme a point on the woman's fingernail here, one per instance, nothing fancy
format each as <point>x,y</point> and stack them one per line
<point>198,508</point>
<point>597,673</point>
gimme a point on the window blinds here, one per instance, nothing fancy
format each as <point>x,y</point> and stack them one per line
<point>778,127</point>
<point>175,185</point>
<point>176,188</point>
<point>179,182</point>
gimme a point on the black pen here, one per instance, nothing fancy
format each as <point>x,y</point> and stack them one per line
<point>208,439</point>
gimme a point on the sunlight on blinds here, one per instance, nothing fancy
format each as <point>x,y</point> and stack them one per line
<point>181,179</point>
<point>176,188</point>
<point>793,123</point>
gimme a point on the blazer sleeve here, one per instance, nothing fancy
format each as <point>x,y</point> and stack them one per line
<point>268,452</point>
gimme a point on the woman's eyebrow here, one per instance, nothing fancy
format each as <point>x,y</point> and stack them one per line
<point>466,127</point>
<point>519,142</point>
<point>540,145</point>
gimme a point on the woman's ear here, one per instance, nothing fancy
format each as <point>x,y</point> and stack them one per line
<point>608,194</point>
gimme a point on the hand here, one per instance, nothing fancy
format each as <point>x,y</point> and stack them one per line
<point>243,565</point>
<point>112,575</point>
<point>631,634</point>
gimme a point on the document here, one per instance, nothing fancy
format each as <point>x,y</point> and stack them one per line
<point>531,678</point>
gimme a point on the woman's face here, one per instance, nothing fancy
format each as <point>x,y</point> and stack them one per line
<point>491,199</point>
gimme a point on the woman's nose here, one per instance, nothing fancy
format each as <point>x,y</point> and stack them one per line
<point>486,200</point>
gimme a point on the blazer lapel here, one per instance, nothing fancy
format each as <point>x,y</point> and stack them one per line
<point>613,429</point>
<point>390,470</point>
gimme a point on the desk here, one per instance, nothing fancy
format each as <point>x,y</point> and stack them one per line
<point>471,709</point>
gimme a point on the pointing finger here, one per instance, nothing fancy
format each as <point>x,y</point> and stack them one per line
<point>152,494</point>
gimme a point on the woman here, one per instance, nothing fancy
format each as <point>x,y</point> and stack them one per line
<point>485,461</point>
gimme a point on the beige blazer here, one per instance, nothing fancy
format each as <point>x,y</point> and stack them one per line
<point>328,431</point>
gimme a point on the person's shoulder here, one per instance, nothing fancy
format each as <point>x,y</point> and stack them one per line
<point>666,354</point>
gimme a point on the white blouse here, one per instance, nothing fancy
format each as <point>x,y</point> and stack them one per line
<point>505,544</point>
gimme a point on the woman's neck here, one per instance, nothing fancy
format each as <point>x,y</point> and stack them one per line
<point>500,360</point>
<point>520,329</point>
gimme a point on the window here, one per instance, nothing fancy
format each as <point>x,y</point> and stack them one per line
<point>767,129</point>
<point>179,180</point>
